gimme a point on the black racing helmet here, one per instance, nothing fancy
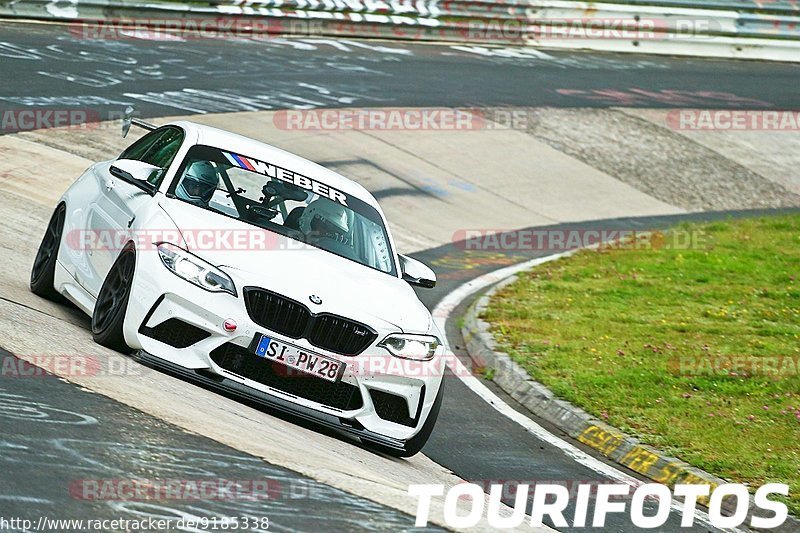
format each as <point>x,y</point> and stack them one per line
<point>198,183</point>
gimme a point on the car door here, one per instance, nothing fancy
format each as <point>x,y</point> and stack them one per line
<point>114,211</point>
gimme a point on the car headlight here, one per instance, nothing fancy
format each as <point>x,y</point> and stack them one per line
<point>409,346</point>
<point>195,270</point>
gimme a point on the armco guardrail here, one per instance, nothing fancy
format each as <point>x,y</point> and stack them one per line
<point>739,28</point>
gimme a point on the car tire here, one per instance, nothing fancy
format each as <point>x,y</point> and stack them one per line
<point>109,312</point>
<point>44,265</point>
<point>415,444</point>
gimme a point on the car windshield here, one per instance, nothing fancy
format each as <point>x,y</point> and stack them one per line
<point>279,200</point>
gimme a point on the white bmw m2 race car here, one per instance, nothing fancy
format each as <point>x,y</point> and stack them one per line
<point>253,271</point>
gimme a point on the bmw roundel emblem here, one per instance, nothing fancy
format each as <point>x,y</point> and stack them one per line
<point>315,299</point>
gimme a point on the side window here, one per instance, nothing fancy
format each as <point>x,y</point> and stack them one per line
<point>137,150</point>
<point>162,152</point>
<point>158,148</point>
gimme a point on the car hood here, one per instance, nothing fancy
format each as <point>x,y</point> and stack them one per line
<point>258,257</point>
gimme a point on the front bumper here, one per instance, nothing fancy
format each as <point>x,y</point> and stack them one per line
<point>223,384</point>
<point>389,398</point>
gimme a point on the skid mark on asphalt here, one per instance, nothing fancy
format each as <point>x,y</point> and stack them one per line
<point>18,407</point>
<point>297,96</point>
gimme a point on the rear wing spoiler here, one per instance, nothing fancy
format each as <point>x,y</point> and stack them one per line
<point>128,120</point>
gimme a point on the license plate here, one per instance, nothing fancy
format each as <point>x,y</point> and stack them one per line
<point>298,358</point>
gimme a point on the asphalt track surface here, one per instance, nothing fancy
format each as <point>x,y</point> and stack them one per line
<point>51,69</point>
<point>47,65</point>
<point>61,444</point>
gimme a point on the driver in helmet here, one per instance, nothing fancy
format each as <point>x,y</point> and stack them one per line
<point>324,219</point>
<point>198,184</point>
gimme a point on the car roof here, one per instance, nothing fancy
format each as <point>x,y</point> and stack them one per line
<point>210,136</point>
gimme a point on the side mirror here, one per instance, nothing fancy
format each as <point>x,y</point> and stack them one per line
<point>417,273</point>
<point>132,171</point>
<point>127,120</point>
